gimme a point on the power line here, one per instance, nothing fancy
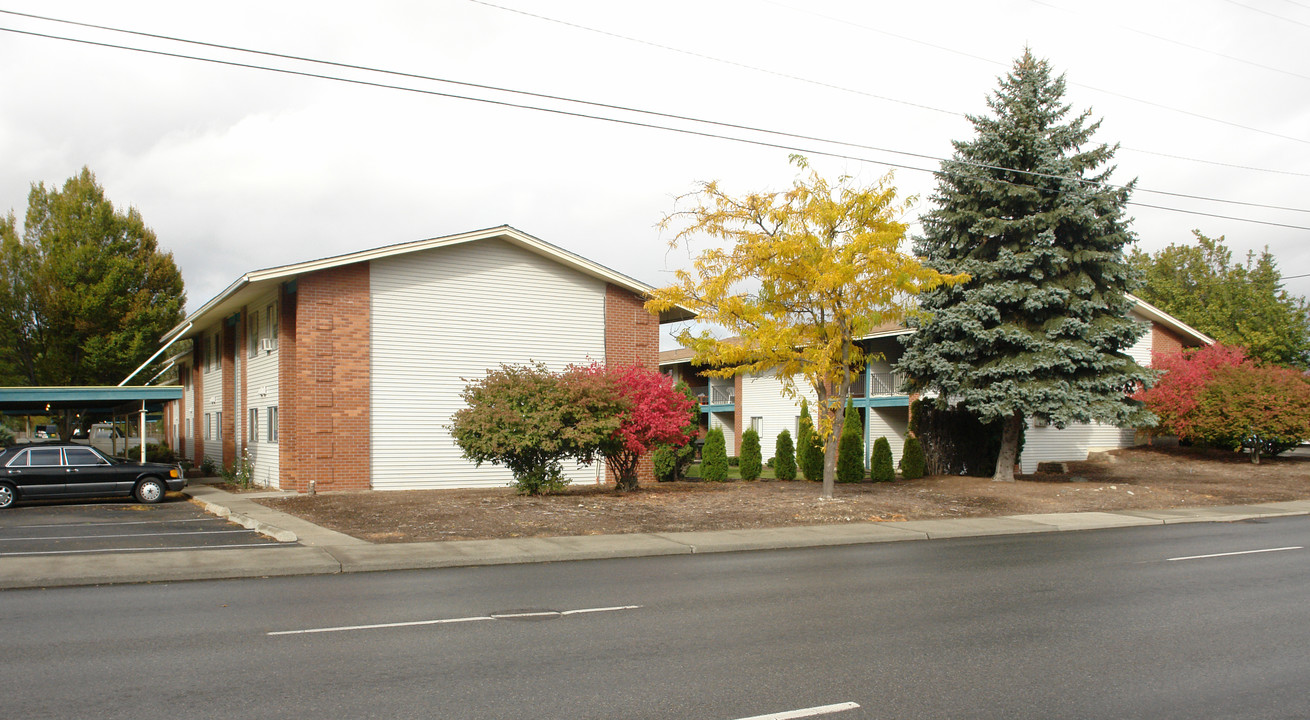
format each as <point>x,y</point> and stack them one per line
<point>485,3</point>
<point>609,106</point>
<point>1180,43</point>
<point>621,121</point>
<point>1266,12</point>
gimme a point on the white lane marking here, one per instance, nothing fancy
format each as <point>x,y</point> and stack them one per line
<point>124,535</point>
<point>806,712</point>
<point>451,621</point>
<point>1243,552</point>
<point>125,522</point>
<point>144,549</point>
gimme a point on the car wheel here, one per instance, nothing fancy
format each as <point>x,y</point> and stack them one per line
<point>150,490</point>
<point>7,495</point>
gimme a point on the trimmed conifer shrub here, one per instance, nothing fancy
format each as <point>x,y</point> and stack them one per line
<point>784,457</point>
<point>714,457</point>
<point>809,450</point>
<point>750,463</point>
<point>850,447</point>
<point>912,459</point>
<point>882,461</point>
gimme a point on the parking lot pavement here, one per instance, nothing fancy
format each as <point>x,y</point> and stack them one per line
<point>79,527</point>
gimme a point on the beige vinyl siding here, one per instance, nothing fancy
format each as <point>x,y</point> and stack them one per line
<point>446,314</point>
<point>261,393</point>
<point>892,423</point>
<point>1049,444</point>
<point>211,400</point>
<point>1141,350</point>
<point>761,396</point>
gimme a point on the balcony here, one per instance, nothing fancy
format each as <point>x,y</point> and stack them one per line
<point>723,395</point>
<point>886,384</point>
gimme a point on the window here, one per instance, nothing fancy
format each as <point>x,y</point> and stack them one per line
<point>218,425</point>
<point>797,432</point>
<point>212,354</point>
<point>83,456</point>
<point>252,431</point>
<point>44,457</point>
<point>757,424</point>
<point>252,335</point>
<point>272,317</point>
<point>272,424</point>
<point>209,426</point>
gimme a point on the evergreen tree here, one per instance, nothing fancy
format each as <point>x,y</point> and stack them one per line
<point>850,447</point>
<point>1042,326</point>
<point>714,457</point>
<point>784,457</point>
<point>912,464</point>
<point>809,449</point>
<point>85,292</point>
<point>750,463</point>
<point>882,461</point>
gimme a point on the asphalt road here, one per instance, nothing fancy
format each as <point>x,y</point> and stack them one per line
<point>78,527</point>
<point>1128,623</point>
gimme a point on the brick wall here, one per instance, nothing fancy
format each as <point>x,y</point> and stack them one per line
<point>243,352</point>
<point>227,430</point>
<point>197,393</point>
<point>286,386</point>
<point>1167,342</point>
<point>632,335</point>
<point>324,399</point>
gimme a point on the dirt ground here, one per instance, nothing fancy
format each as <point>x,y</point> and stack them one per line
<point>1137,478</point>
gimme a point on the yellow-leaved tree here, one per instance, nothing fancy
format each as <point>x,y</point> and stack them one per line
<point>803,276</point>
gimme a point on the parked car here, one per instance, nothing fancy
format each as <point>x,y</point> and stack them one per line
<point>63,470</point>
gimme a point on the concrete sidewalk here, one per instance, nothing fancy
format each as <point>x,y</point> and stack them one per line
<point>308,549</point>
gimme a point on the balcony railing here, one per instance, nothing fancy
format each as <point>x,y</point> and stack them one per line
<point>723,395</point>
<point>886,384</point>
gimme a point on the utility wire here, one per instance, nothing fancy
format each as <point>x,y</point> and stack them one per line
<point>1266,12</point>
<point>569,113</point>
<point>1180,43</point>
<point>671,116</point>
<point>838,87</point>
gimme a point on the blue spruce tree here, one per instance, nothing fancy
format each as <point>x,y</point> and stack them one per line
<point>1042,327</point>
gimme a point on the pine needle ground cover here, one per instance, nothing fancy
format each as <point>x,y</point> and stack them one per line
<point>1139,478</point>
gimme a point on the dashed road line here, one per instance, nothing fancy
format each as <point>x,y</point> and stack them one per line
<point>806,712</point>
<point>1241,552</point>
<point>452,621</point>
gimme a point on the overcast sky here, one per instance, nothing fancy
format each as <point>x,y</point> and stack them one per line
<point>238,169</point>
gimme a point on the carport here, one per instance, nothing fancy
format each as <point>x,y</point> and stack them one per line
<point>111,402</point>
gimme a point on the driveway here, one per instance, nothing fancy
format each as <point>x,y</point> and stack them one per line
<point>78,528</point>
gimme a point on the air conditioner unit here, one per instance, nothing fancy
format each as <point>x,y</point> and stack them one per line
<point>266,345</point>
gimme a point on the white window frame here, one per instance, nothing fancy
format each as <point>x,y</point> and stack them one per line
<point>272,424</point>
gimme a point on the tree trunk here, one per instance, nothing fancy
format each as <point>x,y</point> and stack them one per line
<point>1255,455</point>
<point>1009,448</point>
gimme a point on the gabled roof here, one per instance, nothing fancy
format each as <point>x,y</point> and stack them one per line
<point>1143,308</point>
<point>1155,314</point>
<point>257,282</point>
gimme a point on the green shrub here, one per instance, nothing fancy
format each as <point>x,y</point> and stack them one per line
<point>207,467</point>
<point>750,455</point>
<point>160,453</point>
<point>784,457</point>
<point>809,447</point>
<point>850,447</point>
<point>671,461</point>
<point>882,461</point>
<point>6,436</point>
<point>912,459</point>
<point>714,457</point>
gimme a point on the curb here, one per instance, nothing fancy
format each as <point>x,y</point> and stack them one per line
<point>245,521</point>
